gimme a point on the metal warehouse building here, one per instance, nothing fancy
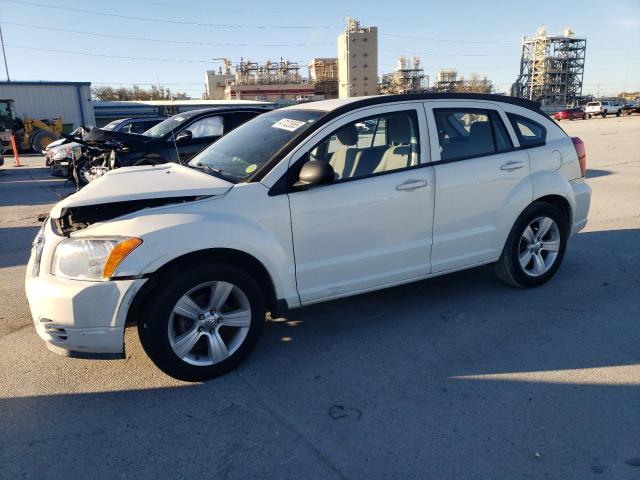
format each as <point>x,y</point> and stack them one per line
<point>48,100</point>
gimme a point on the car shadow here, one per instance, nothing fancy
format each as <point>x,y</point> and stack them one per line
<point>458,373</point>
<point>593,173</point>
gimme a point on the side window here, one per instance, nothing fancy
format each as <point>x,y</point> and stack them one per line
<point>470,132</point>
<point>137,127</point>
<point>234,120</point>
<point>371,146</point>
<point>126,128</point>
<point>530,133</point>
<point>206,127</point>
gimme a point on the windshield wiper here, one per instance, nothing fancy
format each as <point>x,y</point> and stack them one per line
<point>216,172</point>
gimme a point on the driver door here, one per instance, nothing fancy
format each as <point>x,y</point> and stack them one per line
<point>372,226</point>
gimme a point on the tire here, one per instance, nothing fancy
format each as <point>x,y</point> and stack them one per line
<point>509,268</point>
<point>618,113</point>
<point>40,140</point>
<point>571,117</point>
<point>78,173</point>
<point>604,114</point>
<point>160,326</point>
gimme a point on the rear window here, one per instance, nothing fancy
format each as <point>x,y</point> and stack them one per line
<point>529,133</point>
<point>593,104</point>
<point>470,132</point>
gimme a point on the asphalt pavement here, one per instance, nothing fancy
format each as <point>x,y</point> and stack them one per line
<point>451,378</point>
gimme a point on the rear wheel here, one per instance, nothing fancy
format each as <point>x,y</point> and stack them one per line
<point>571,117</point>
<point>618,113</point>
<point>535,247</point>
<point>604,114</point>
<point>203,322</point>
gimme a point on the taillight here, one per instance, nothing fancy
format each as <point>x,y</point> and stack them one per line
<point>582,154</point>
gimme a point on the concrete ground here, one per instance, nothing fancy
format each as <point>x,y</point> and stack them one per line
<point>454,377</point>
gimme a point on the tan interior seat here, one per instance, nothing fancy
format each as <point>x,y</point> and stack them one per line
<point>344,158</point>
<point>399,154</point>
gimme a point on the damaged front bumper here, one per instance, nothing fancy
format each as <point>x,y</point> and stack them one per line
<point>74,317</point>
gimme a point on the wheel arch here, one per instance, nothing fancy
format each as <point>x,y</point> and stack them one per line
<point>226,256</point>
<point>555,199</point>
<point>562,203</point>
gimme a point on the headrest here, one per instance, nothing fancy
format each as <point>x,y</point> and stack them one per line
<point>348,135</point>
<point>399,129</point>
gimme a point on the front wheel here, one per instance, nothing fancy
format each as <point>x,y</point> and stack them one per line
<point>535,247</point>
<point>203,322</point>
<point>81,173</point>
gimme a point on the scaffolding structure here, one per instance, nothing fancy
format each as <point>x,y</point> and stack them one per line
<point>408,77</point>
<point>447,81</point>
<point>551,68</point>
<point>323,72</point>
<point>268,73</point>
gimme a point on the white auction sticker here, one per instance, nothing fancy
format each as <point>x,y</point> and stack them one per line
<point>288,124</point>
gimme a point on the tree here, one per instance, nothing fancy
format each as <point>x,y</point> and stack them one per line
<point>156,92</point>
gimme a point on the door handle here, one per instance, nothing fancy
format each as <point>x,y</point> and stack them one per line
<point>509,166</point>
<point>411,185</point>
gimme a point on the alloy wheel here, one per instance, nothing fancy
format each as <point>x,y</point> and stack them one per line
<point>539,246</point>
<point>209,323</point>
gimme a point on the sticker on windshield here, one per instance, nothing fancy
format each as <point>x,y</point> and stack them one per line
<point>251,168</point>
<point>288,124</point>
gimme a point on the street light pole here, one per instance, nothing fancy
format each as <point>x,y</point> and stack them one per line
<point>4,55</point>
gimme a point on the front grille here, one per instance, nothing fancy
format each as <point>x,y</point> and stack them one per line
<point>54,331</point>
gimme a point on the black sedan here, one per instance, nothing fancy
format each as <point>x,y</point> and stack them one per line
<point>181,137</point>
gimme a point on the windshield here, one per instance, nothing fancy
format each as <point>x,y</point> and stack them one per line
<point>166,126</point>
<point>248,147</point>
<point>112,125</point>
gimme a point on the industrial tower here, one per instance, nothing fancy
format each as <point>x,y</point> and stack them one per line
<point>551,68</point>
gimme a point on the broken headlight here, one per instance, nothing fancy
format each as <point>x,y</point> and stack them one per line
<point>91,258</point>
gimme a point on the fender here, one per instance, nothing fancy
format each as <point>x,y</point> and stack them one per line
<point>552,182</point>
<point>173,231</point>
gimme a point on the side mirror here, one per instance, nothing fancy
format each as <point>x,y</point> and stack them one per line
<point>184,136</point>
<point>314,173</point>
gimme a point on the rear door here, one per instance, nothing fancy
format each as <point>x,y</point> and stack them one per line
<point>482,182</point>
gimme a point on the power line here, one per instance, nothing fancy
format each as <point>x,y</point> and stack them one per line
<point>170,21</point>
<point>237,12</point>
<point>180,42</point>
<point>122,57</point>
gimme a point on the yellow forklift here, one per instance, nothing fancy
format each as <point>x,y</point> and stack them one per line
<point>29,133</point>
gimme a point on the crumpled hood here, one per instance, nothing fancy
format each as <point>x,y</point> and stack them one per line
<point>144,183</point>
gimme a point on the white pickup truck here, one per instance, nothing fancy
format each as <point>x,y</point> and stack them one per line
<point>603,108</point>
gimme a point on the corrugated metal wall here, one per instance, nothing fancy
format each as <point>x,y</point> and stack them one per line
<point>72,102</point>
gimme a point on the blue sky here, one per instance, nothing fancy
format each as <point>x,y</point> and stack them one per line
<point>470,36</point>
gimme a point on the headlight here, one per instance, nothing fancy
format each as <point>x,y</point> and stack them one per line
<point>91,258</point>
<point>74,151</point>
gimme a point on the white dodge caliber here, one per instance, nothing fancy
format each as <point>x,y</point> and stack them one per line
<point>302,205</point>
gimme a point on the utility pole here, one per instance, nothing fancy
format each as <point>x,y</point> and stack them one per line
<point>4,55</point>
